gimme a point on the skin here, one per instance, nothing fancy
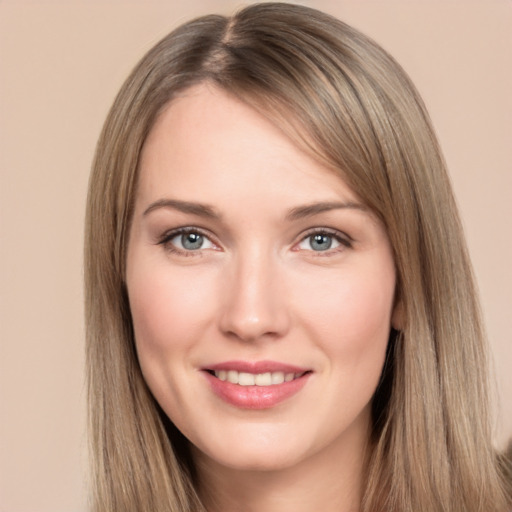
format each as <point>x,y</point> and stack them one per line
<point>257,290</point>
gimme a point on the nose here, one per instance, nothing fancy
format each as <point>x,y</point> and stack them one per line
<point>254,302</point>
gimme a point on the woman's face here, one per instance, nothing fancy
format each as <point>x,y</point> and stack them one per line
<point>261,289</point>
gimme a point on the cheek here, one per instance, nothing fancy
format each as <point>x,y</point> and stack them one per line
<point>355,339</point>
<point>349,315</point>
<point>366,318</point>
<point>353,306</point>
<point>169,309</point>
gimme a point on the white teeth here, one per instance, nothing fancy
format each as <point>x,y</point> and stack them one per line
<point>263,379</point>
<point>246,379</point>
<point>277,377</point>
<point>232,376</point>
<point>259,379</point>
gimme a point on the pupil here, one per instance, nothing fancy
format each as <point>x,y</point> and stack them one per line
<point>321,242</point>
<point>192,241</point>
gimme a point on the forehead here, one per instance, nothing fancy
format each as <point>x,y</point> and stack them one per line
<point>207,143</point>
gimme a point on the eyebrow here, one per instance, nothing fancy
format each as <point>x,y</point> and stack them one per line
<point>310,210</point>
<point>207,211</point>
<point>199,209</point>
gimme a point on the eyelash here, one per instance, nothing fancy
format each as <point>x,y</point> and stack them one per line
<point>165,240</point>
<point>345,241</point>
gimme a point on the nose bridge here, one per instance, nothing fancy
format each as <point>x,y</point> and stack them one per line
<point>253,306</point>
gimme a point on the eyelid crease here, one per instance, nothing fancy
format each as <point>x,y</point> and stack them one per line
<point>344,240</point>
<point>336,233</point>
<point>165,239</point>
<point>172,233</point>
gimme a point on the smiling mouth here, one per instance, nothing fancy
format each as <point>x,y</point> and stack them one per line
<point>256,379</point>
<point>256,385</point>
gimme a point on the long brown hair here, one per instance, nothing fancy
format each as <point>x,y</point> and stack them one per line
<point>345,100</point>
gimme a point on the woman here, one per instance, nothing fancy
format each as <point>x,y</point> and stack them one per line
<point>280,306</point>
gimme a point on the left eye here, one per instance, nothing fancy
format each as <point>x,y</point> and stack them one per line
<point>190,241</point>
<point>319,242</point>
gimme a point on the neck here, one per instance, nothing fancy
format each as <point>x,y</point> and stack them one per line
<point>330,480</point>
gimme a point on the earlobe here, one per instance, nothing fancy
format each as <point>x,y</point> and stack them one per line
<point>398,316</point>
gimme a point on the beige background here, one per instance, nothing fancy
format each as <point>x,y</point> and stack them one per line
<point>61,63</point>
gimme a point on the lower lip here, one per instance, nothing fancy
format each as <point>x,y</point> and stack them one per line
<point>255,397</point>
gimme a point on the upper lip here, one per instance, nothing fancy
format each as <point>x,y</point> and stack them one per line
<point>256,367</point>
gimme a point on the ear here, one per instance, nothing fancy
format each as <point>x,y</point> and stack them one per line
<point>398,316</point>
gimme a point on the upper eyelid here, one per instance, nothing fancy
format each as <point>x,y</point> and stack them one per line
<point>165,241</point>
<point>171,233</point>
<point>329,231</point>
<point>344,240</point>
<point>168,235</point>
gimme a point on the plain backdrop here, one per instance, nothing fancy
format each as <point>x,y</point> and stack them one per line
<point>61,63</point>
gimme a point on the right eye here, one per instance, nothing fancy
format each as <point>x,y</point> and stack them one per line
<point>187,241</point>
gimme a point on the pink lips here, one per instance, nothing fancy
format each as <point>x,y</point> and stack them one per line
<point>254,396</point>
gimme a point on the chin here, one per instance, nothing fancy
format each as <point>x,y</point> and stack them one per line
<point>253,453</point>
<point>259,462</point>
